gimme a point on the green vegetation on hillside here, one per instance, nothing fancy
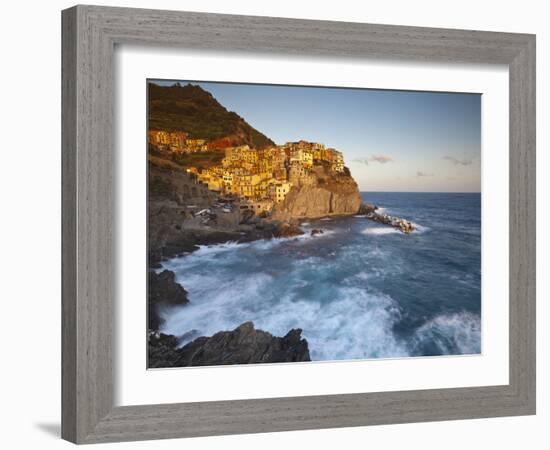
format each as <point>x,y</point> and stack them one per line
<point>191,109</point>
<point>179,162</point>
<point>201,160</point>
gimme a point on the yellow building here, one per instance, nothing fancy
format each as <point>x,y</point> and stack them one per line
<point>227,181</point>
<point>268,173</point>
<point>337,161</point>
<point>244,184</point>
<point>195,145</point>
<point>194,142</point>
<point>278,191</point>
<point>158,137</point>
<point>307,159</point>
<point>177,141</point>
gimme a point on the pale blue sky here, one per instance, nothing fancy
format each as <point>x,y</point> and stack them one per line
<point>391,140</point>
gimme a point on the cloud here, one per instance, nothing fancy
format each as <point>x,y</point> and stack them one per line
<point>382,159</point>
<point>364,161</point>
<point>424,174</point>
<point>456,161</point>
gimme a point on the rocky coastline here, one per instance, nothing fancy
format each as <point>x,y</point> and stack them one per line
<point>212,178</point>
<point>243,345</point>
<point>179,224</point>
<point>184,215</point>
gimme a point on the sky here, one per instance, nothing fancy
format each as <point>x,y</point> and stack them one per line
<point>400,141</point>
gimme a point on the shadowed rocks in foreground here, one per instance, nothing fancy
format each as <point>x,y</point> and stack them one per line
<point>243,345</point>
<point>163,290</point>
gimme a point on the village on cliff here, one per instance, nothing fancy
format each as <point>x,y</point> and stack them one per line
<point>261,177</point>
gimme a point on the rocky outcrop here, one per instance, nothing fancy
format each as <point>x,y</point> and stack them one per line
<point>367,208</point>
<point>243,345</point>
<point>330,194</point>
<point>285,230</point>
<point>163,290</point>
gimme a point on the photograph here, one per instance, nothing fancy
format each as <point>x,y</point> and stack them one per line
<point>311,223</point>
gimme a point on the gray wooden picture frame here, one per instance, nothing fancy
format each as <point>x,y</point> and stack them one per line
<point>90,34</point>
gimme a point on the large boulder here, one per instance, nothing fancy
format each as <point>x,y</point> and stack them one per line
<point>243,345</point>
<point>286,229</point>
<point>163,290</point>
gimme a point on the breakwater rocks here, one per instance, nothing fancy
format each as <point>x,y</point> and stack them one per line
<point>244,345</point>
<point>370,212</point>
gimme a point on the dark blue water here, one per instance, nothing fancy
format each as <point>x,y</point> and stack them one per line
<point>360,290</point>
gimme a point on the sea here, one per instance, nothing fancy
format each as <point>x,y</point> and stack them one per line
<point>360,290</point>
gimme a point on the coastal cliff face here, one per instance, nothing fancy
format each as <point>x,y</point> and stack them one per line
<point>323,194</point>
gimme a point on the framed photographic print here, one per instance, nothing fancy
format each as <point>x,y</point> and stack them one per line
<point>264,228</point>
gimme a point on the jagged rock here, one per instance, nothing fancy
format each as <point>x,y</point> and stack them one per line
<point>248,217</point>
<point>367,208</point>
<point>316,231</point>
<point>163,290</point>
<point>243,345</point>
<point>161,350</point>
<point>286,229</point>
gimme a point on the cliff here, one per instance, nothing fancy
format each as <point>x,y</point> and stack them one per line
<point>322,194</point>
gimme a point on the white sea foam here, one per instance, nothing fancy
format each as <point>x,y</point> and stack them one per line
<point>284,283</point>
<point>378,231</point>
<point>419,228</point>
<point>260,243</point>
<point>452,333</point>
<point>218,248</point>
<point>355,324</point>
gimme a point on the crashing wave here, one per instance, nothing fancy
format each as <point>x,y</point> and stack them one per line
<point>449,334</point>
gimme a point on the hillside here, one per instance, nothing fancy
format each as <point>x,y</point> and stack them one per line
<point>191,109</point>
